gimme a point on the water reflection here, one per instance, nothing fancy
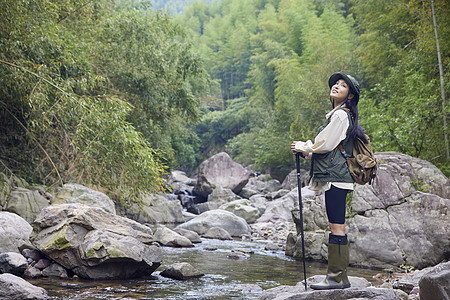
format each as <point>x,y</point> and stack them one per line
<point>224,278</point>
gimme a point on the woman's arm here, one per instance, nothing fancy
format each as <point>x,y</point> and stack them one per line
<point>329,138</point>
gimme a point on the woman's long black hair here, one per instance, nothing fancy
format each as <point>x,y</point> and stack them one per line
<point>352,105</point>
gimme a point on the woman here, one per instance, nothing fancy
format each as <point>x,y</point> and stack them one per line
<point>330,174</point>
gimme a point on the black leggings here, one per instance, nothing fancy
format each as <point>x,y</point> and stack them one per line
<point>335,204</point>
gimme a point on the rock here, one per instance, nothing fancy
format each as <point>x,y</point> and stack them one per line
<point>42,264</point>
<point>181,271</point>
<point>32,272</point>
<point>236,226</point>
<point>277,194</point>
<point>282,291</point>
<point>298,292</point>
<point>242,208</point>
<point>170,238</point>
<point>247,193</point>
<point>220,170</point>
<point>272,185</point>
<point>191,235</point>
<point>290,182</point>
<point>238,255</point>
<point>26,203</point>
<point>272,247</point>
<point>155,208</point>
<point>14,233</point>
<point>13,262</point>
<point>55,270</point>
<point>8,184</point>
<point>408,282</point>
<point>221,196</point>
<point>401,219</point>
<point>95,244</point>
<point>281,207</point>
<point>16,288</point>
<point>180,176</point>
<point>34,254</point>
<point>260,202</point>
<point>217,233</point>
<point>435,284</point>
<point>76,193</point>
<point>188,216</point>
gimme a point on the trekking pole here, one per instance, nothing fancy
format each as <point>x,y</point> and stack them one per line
<point>299,183</point>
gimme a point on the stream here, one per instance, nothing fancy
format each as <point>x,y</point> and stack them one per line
<point>225,278</point>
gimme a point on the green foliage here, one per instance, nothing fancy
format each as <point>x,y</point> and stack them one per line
<point>404,111</point>
<point>88,93</point>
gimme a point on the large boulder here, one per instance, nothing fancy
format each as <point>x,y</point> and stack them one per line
<point>14,233</point>
<point>15,288</point>
<point>170,238</point>
<point>76,193</point>
<point>26,203</point>
<point>436,283</point>
<point>220,170</point>
<point>95,244</point>
<point>242,208</point>
<point>8,184</point>
<point>220,196</point>
<point>155,208</point>
<point>13,262</point>
<point>401,219</point>
<point>181,271</point>
<point>236,226</point>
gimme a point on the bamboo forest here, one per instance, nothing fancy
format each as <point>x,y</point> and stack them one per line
<point>115,94</point>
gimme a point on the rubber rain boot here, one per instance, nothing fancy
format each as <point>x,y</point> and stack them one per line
<point>338,259</point>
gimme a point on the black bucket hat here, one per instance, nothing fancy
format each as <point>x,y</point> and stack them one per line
<point>351,81</point>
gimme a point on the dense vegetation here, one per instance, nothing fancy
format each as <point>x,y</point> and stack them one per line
<point>273,58</point>
<point>95,93</point>
<point>114,93</point>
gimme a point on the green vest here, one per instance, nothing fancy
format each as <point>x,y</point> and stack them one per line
<point>332,166</point>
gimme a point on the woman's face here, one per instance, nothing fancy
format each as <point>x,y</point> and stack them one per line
<point>340,91</point>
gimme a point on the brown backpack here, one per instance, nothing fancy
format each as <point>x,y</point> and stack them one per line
<point>362,164</point>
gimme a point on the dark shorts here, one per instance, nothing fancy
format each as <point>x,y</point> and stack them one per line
<point>335,204</point>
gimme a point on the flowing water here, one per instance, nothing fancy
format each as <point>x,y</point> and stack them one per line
<point>225,278</point>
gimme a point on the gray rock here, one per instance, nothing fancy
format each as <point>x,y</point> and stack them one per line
<point>260,202</point>
<point>76,193</point>
<point>242,208</point>
<point>34,254</point>
<point>55,270</point>
<point>281,207</point>
<point>181,271</point>
<point>220,170</point>
<point>16,288</point>
<point>156,209</point>
<point>247,192</point>
<point>272,185</point>
<point>32,272</point>
<point>220,196</point>
<point>191,235</point>
<point>42,264</point>
<point>14,233</point>
<point>26,203</point>
<point>350,293</point>
<point>236,226</point>
<point>95,244</point>
<point>408,282</point>
<point>435,284</point>
<point>13,262</point>
<point>217,233</point>
<point>170,238</point>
